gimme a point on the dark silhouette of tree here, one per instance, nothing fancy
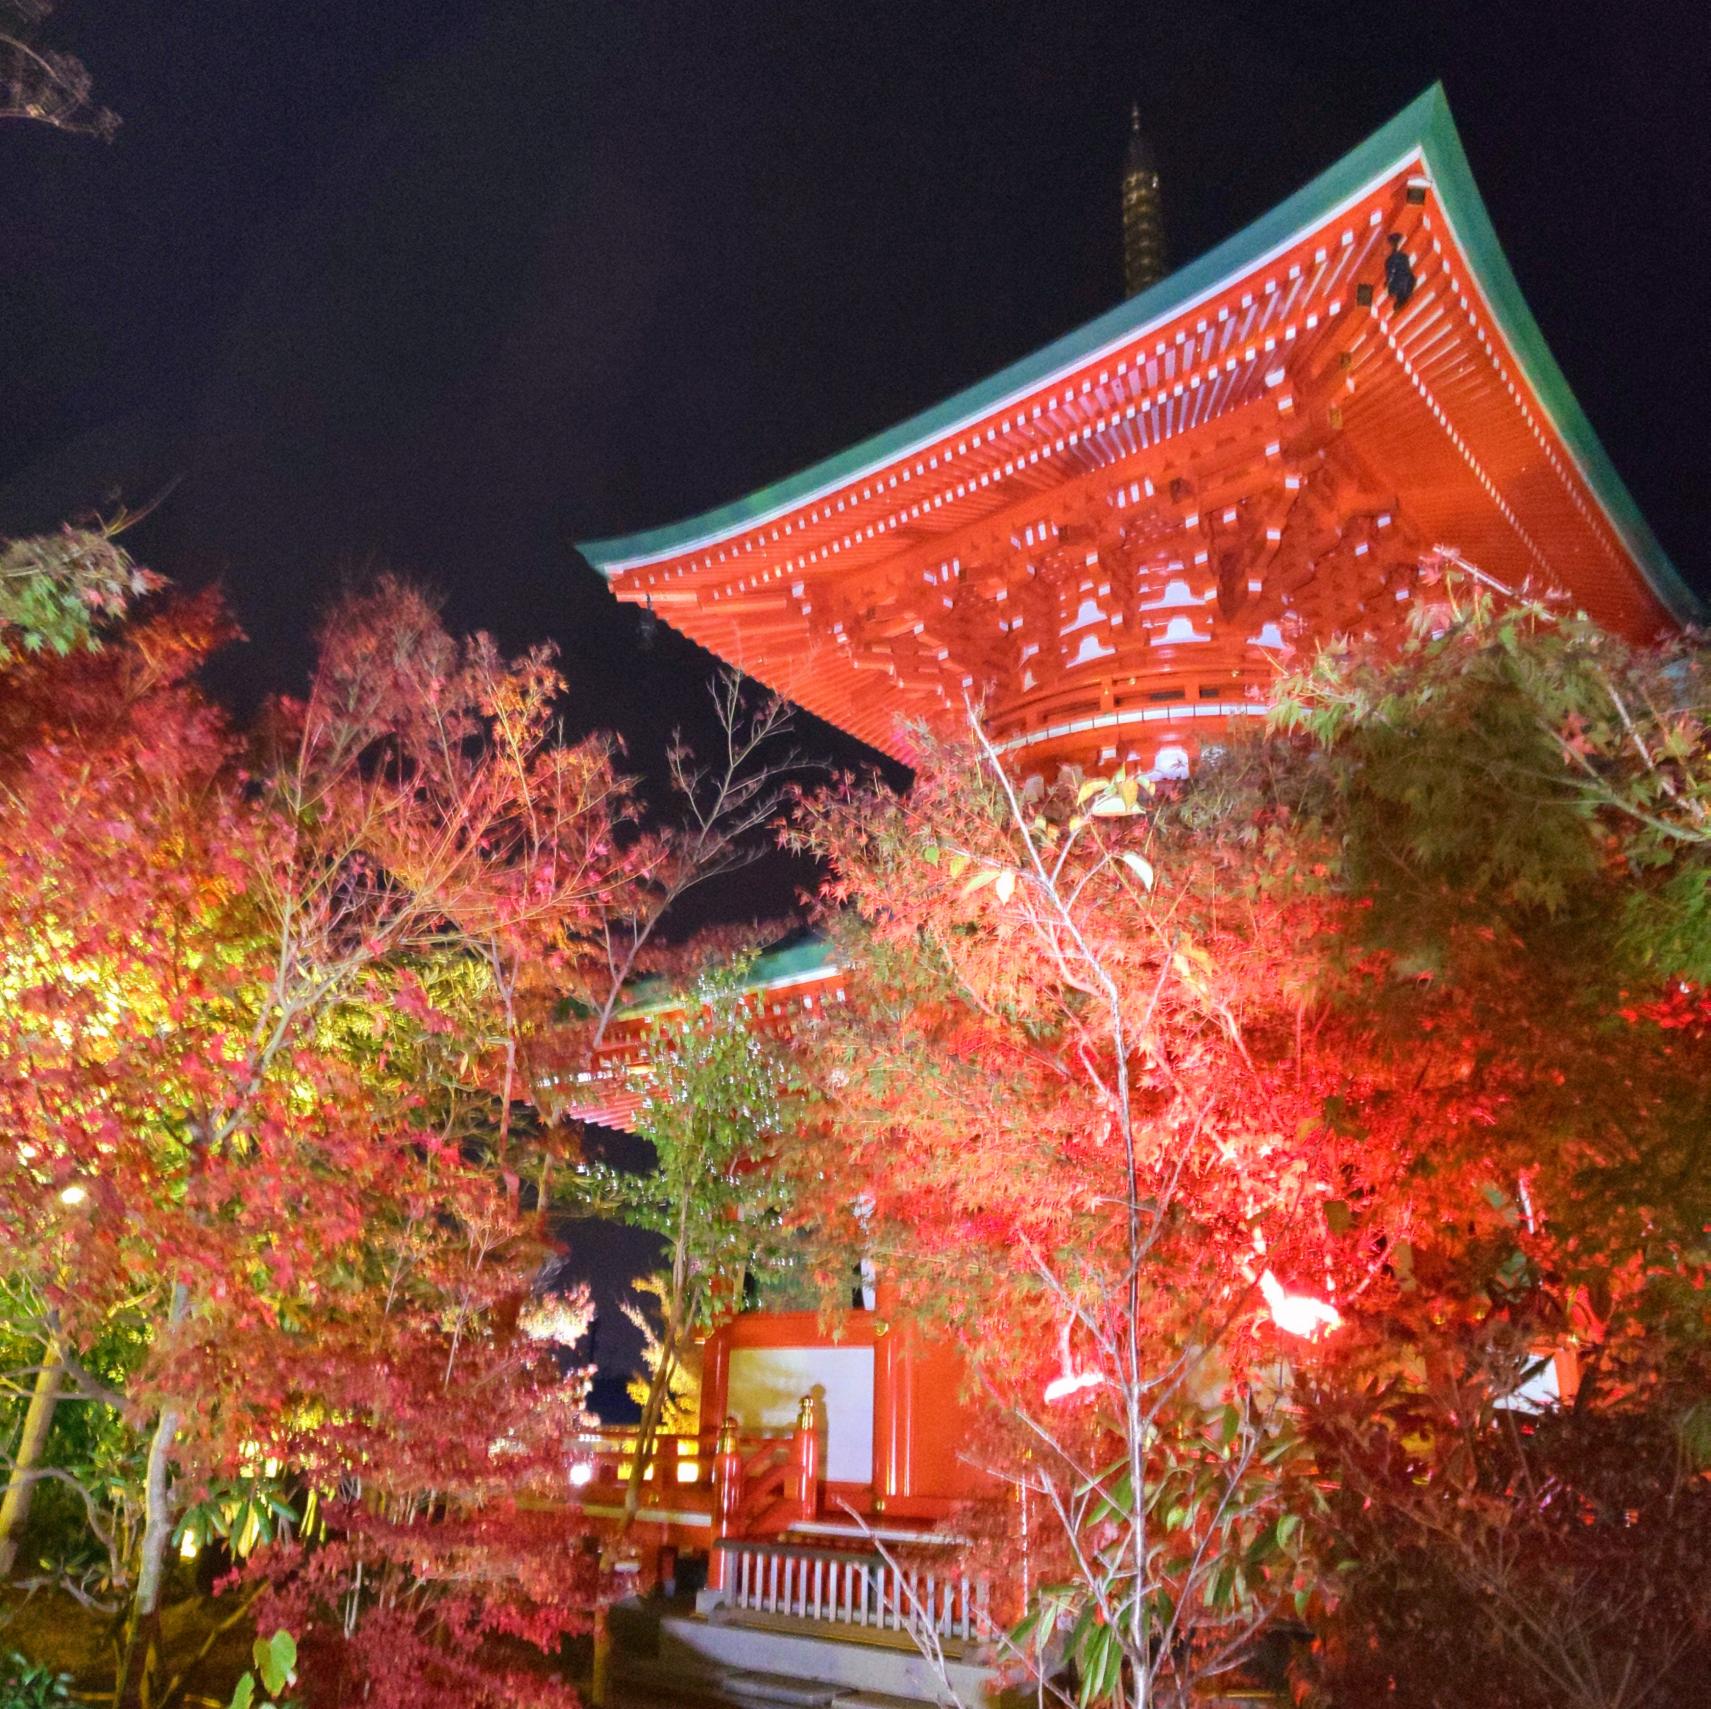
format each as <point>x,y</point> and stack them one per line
<point>40,82</point>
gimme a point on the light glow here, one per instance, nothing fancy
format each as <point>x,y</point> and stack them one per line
<point>75,1194</point>
<point>1298,1314</point>
<point>581,1474</point>
<point>1071,1382</point>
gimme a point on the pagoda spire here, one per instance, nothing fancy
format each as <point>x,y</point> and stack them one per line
<point>1143,225</point>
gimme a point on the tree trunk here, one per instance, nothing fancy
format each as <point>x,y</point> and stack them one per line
<point>674,1316</point>
<point>32,1445</point>
<point>647,1436</point>
<point>142,1624</point>
<point>599,1687</point>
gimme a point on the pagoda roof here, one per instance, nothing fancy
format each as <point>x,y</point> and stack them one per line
<point>785,985</point>
<point>789,532</point>
<point>803,958</point>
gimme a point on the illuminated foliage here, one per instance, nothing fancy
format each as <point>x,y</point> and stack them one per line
<point>57,589</point>
<point>1071,1118</point>
<point>1522,800</point>
<point>41,83</point>
<point>1314,1100</point>
<point>266,1005</point>
<point>680,1413</point>
<point>717,1101</point>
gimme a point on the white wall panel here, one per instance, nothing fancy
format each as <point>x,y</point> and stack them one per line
<point>767,1385</point>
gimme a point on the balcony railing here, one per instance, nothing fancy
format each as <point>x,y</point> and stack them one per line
<point>747,1483</point>
<point>862,1590</point>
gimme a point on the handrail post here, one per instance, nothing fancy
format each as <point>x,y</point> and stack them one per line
<point>727,1500</point>
<point>806,1461</point>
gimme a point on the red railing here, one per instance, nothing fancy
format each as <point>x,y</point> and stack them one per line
<point>749,1484</point>
<point>680,1467</point>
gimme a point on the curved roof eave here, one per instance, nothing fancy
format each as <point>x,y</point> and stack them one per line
<point>1423,130</point>
<point>796,961</point>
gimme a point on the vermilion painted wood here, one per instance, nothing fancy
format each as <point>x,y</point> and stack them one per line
<point>1106,545</point>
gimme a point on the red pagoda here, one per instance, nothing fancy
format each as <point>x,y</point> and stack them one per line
<point>1107,543</point>
<point>1106,546</point>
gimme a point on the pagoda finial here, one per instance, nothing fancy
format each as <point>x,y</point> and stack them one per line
<point>1143,227</point>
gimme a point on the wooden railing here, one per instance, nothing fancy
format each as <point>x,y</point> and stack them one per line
<point>603,1458</point>
<point>749,1484</point>
<point>861,1590</point>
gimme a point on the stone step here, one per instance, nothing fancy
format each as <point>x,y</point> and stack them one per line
<point>775,1688</point>
<point>827,1665</point>
<point>748,1688</point>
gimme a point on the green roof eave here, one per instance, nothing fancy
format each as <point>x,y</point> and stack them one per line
<point>1423,129</point>
<point>1464,207</point>
<point>797,963</point>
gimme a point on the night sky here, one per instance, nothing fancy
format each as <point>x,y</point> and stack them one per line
<point>448,287</point>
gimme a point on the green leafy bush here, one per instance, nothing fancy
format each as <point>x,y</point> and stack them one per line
<point>25,1685</point>
<point>276,1662</point>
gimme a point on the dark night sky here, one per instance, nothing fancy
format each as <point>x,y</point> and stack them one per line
<point>449,286</point>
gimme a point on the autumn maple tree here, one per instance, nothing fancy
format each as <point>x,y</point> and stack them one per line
<point>717,1104</point>
<point>273,1194</point>
<point>1293,1118</point>
<point>227,971</point>
<point>56,590</point>
<point>1066,1103</point>
<point>1514,1422</point>
<point>110,761</point>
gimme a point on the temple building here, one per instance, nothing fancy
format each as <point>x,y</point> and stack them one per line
<point>1107,543</point>
<point>1104,549</point>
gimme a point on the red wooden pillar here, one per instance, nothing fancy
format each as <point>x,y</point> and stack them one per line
<point>893,1411</point>
<point>884,1409</point>
<point>727,1500</point>
<point>806,1461</point>
<point>715,1381</point>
